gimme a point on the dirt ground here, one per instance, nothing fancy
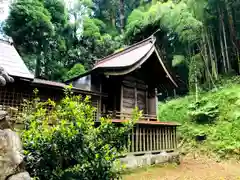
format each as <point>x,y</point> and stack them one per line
<point>190,169</point>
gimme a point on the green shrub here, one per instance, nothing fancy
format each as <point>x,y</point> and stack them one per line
<point>72,147</point>
<point>203,112</point>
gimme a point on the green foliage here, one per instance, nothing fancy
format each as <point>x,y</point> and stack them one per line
<point>203,112</point>
<point>170,16</point>
<point>216,115</point>
<point>178,60</point>
<point>76,70</point>
<point>29,23</point>
<point>196,71</point>
<point>74,146</point>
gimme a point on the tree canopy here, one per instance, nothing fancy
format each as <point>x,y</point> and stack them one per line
<point>200,39</point>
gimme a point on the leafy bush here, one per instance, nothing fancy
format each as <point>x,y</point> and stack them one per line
<point>73,147</point>
<point>203,112</point>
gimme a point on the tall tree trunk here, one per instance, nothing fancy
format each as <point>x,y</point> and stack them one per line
<point>204,54</point>
<point>122,15</point>
<point>38,65</point>
<point>214,52</point>
<point>113,20</point>
<point>211,56</point>
<point>225,42</point>
<point>205,57</point>
<point>233,35</point>
<point>221,43</point>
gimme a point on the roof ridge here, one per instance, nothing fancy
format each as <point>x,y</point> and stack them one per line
<point>131,47</point>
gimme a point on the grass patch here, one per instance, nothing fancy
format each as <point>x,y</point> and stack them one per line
<point>216,115</point>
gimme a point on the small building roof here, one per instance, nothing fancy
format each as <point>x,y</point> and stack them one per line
<point>128,56</point>
<point>128,60</point>
<point>59,85</point>
<point>11,61</point>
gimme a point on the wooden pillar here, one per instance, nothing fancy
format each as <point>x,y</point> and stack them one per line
<point>160,138</point>
<point>135,94</point>
<point>137,139</point>
<point>147,134</point>
<point>156,101</point>
<point>121,101</point>
<point>164,138</point>
<point>151,139</point>
<point>144,139</point>
<point>147,112</point>
<point>154,139</point>
<point>133,142</point>
<point>157,138</point>
<point>175,137</point>
<point>129,142</point>
<point>140,139</point>
<point>100,103</point>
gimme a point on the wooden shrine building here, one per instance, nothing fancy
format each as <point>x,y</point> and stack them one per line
<point>117,84</point>
<point>128,79</point>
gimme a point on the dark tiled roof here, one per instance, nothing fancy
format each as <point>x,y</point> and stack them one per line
<point>11,61</point>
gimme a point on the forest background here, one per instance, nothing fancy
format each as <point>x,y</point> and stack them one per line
<point>198,39</point>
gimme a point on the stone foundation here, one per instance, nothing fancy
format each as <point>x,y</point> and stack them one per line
<point>134,161</point>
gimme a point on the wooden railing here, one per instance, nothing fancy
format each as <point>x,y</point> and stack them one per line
<point>123,116</point>
<point>152,139</point>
